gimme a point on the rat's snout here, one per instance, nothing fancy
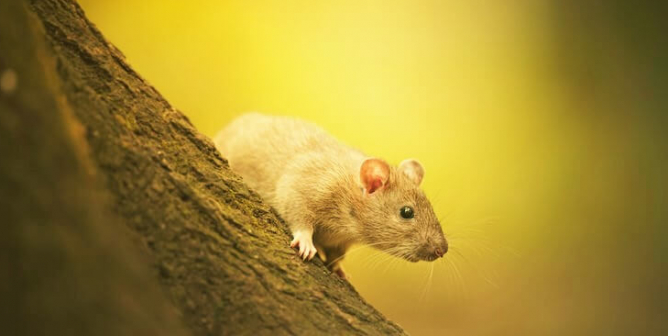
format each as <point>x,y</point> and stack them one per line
<point>433,246</point>
<point>441,250</point>
<point>433,251</point>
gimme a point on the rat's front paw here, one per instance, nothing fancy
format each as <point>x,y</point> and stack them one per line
<point>305,242</point>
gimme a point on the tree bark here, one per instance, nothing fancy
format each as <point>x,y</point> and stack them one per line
<point>120,218</point>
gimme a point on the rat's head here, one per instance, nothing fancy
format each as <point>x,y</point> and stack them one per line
<point>395,215</point>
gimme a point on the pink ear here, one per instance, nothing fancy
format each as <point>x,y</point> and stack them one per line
<point>413,169</point>
<point>374,174</point>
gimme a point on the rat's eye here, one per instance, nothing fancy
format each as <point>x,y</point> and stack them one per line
<point>407,212</point>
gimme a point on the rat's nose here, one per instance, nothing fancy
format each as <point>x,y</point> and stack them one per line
<point>441,250</point>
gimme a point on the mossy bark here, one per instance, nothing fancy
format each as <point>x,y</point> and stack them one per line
<point>120,218</point>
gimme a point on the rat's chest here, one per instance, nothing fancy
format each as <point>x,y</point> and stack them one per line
<point>334,235</point>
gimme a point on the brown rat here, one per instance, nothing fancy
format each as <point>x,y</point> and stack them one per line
<point>332,196</point>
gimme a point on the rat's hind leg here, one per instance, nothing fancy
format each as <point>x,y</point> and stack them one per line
<point>334,256</point>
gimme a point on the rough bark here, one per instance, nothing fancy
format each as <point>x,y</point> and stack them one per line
<point>120,218</point>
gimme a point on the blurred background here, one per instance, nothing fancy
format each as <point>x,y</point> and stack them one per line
<point>542,126</point>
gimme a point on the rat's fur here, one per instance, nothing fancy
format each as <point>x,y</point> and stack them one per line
<point>314,182</point>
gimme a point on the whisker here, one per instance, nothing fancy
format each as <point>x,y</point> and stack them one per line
<point>458,274</point>
<point>359,248</point>
<point>428,283</point>
<point>452,283</point>
<point>478,270</point>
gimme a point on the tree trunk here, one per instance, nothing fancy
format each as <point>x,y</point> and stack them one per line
<point>120,218</point>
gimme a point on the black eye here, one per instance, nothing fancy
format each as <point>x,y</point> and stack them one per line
<point>407,212</point>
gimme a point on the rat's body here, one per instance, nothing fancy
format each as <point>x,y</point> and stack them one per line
<point>331,195</point>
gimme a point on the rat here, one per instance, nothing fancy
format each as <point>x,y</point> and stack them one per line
<point>331,195</point>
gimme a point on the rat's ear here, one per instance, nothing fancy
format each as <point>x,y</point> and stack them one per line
<point>413,169</point>
<point>374,174</point>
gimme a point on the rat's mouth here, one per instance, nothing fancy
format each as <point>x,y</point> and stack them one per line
<point>411,258</point>
<point>408,257</point>
<point>418,256</point>
<point>399,252</point>
<point>429,257</point>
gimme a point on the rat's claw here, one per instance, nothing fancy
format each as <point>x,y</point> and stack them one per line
<point>305,242</point>
<point>302,248</point>
<point>309,252</point>
<point>312,254</point>
<point>306,255</point>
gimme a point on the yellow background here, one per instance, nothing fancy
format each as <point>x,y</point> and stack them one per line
<point>541,125</point>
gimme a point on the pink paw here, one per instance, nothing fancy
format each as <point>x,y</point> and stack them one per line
<point>305,242</point>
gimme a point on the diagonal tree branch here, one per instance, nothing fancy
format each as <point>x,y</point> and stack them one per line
<point>202,239</point>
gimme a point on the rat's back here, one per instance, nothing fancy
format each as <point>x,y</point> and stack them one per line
<point>260,147</point>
